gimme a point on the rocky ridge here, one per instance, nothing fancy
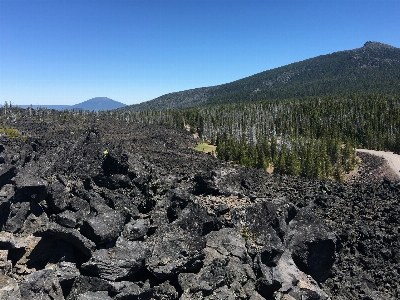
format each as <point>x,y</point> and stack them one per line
<point>136,213</point>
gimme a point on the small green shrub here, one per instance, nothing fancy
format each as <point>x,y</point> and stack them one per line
<point>10,132</point>
<point>247,234</point>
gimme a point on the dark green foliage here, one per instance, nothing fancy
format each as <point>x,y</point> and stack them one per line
<point>373,68</point>
<point>396,147</point>
<point>311,137</point>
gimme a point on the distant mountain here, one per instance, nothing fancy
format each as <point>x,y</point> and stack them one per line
<point>94,104</point>
<point>373,68</point>
<point>98,103</point>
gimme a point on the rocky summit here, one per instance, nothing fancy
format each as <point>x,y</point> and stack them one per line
<point>110,210</point>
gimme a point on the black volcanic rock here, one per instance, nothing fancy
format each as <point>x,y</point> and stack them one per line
<point>58,198</point>
<point>93,209</point>
<point>313,245</point>
<point>123,260</point>
<point>103,224</point>
<point>69,235</point>
<point>174,251</point>
<point>42,284</point>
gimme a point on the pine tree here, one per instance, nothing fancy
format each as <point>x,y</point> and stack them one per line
<point>293,164</point>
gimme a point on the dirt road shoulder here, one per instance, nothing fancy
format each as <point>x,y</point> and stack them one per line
<point>392,159</point>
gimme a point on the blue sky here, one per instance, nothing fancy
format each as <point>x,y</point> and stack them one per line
<point>68,51</point>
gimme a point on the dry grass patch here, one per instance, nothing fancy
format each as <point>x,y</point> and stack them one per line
<point>206,148</point>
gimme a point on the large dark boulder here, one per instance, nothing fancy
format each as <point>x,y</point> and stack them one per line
<point>103,224</point>
<point>123,260</point>
<point>257,219</point>
<point>41,285</point>
<point>7,172</point>
<point>217,182</point>
<point>136,230</point>
<point>83,284</point>
<point>58,198</point>
<point>17,216</point>
<point>226,242</point>
<point>6,193</point>
<point>313,245</point>
<point>30,184</point>
<point>194,218</point>
<point>174,251</point>
<point>69,235</point>
<point>125,203</point>
<point>227,269</point>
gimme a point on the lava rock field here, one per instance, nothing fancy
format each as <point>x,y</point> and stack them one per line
<point>112,210</point>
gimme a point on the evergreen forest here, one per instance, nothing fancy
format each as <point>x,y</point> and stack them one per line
<point>373,68</point>
<point>313,137</point>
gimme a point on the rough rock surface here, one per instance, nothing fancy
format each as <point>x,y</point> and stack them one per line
<point>91,209</point>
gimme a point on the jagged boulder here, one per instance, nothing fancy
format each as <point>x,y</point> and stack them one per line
<point>127,204</point>
<point>285,280</point>
<point>40,285</point>
<point>312,244</point>
<point>29,183</point>
<point>7,172</point>
<point>257,219</point>
<point>217,182</point>
<point>123,260</point>
<point>58,196</point>
<point>103,224</point>
<point>136,229</point>
<point>227,269</point>
<point>226,242</point>
<point>174,251</point>
<point>9,289</point>
<point>83,284</point>
<point>71,236</point>
<point>18,212</point>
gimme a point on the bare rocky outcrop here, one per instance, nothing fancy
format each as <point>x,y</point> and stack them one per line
<point>138,214</point>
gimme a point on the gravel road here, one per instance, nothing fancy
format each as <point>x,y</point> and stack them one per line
<point>392,159</point>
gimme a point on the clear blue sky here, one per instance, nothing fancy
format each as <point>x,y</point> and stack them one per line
<point>66,52</point>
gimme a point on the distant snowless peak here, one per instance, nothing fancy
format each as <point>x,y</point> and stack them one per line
<point>101,99</point>
<point>371,44</point>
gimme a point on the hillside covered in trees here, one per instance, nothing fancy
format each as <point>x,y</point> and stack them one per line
<point>373,68</point>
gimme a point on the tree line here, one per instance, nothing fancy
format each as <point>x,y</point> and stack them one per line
<point>311,136</point>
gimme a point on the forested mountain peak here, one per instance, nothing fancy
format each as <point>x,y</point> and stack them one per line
<point>372,68</point>
<point>377,45</point>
